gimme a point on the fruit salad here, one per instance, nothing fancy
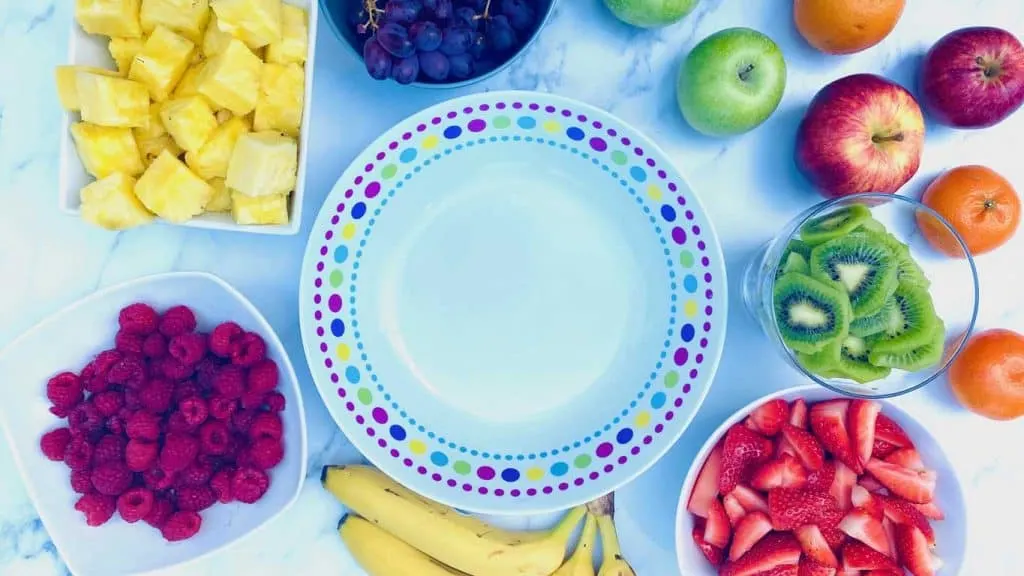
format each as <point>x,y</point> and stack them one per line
<point>168,422</point>
<point>832,488</point>
<point>205,104</point>
<point>851,303</point>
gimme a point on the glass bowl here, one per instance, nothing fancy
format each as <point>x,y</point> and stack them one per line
<point>872,309</point>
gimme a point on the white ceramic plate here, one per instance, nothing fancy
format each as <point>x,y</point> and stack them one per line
<point>950,534</point>
<point>88,50</point>
<point>69,339</point>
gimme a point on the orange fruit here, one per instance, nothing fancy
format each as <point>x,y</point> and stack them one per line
<point>981,205</point>
<point>988,376</point>
<point>846,26</point>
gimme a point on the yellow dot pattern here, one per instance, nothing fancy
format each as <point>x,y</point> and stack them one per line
<point>343,352</point>
<point>430,142</point>
<point>418,447</point>
<point>552,126</point>
<point>348,232</point>
<point>643,419</point>
<point>690,308</point>
<point>534,474</point>
<point>654,193</point>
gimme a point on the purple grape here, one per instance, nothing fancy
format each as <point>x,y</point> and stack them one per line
<point>456,40</point>
<point>435,65</point>
<point>376,58</point>
<point>500,35</point>
<point>478,46</point>
<point>395,39</point>
<point>443,11</point>
<point>430,4</point>
<point>476,5</point>
<point>406,70</point>
<point>520,14</point>
<point>425,35</point>
<point>461,65</point>
<point>402,11</point>
<point>466,16</point>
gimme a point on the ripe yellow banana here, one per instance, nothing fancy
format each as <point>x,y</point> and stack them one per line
<point>581,563</point>
<point>381,554</point>
<point>612,562</point>
<point>464,543</point>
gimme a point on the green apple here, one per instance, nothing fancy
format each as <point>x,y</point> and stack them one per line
<point>650,13</point>
<point>731,82</point>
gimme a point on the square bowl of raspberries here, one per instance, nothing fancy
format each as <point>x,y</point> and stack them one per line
<point>804,483</point>
<point>154,422</point>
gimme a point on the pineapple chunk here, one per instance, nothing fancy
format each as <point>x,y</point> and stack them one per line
<point>162,62</point>
<point>263,164</point>
<point>151,148</point>
<point>232,79</point>
<point>264,210</point>
<point>156,124</point>
<point>189,84</point>
<point>170,190</point>
<point>255,22</point>
<point>221,200</point>
<point>291,49</point>
<point>124,51</point>
<point>111,203</point>
<point>225,115</point>
<point>190,121</point>
<point>186,17</point>
<point>215,40</point>
<point>279,107</point>
<point>211,161</point>
<point>112,101</point>
<point>104,151</point>
<point>109,17</point>
<point>67,83</point>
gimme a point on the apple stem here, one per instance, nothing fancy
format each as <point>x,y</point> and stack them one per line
<point>745,73</point>
<point>893,138</point>
<point>989,69</point>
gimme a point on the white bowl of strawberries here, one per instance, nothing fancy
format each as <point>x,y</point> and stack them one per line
<point>804,483</point>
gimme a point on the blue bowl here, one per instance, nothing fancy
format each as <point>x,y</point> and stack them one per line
<point>337,15</point>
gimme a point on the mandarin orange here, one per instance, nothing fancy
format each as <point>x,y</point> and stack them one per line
<point>981,205</point>
<point>987,377</point>
<point>846,26</point>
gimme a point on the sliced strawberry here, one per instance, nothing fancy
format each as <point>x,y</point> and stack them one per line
<point>815,546</point>
<point>783,447</point>
<point>914,552</point>
<point>750,499</point>
<point>906,457</point>
<point>828,422</point>
<point>931,510</point>
<point>791,508</point>
<point>914,485</point>
<point>842,485</point>
<point>784,472</point>
<point>798,413</point>
<point>749,423</point>
<point>861,525</point>
<point>889,431</point>
<point>785,570</point>
<point>806,446</point>
<point>778,549</point>
<point>829,525</point>
<point>842,572</point>
<point>882,448</point>
<point>713,554</point>
<point>870,484</point>
<point>706,488</point>
<point>742,452</point>
<point>749,531</point>
<point>898,572</point>
<point>890,534</point>
<point>861,419</point>
<point>733,509</point>
<point>902,512</point>
<point>861,498</point>
<point>769,417</point>
<point>821,479</point>
<point>808,567</point>
<point>717,529</point>
<point>857,556</point>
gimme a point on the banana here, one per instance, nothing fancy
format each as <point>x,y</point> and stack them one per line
<point>464,543</point>
<point>381,554</point>
<point>612,562</point>
<point>581,563</point>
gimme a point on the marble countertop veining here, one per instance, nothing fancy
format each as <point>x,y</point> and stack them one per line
<point>748,184</point>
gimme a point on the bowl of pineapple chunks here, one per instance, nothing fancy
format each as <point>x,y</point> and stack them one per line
<point>188,112</point>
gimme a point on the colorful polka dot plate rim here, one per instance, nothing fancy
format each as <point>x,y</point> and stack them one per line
<point>512,303</point>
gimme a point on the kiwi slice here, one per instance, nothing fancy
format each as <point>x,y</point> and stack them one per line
<point>913,359</point>
<point>872,225</point>
<point>887,319</point>
<point>846,358</point>
<point>907,269</point>
<point>834,224</point>
<point>811,314</point>
<point>914,325</point>
<point>795,263</point>
<point>862,266</point>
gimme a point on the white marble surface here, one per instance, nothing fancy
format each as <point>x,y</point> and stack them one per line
<point>749,185</point>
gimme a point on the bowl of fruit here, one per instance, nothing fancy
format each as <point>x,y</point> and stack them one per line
<point>804,482</point>
<point>858,299</point>
<point>436,43</point>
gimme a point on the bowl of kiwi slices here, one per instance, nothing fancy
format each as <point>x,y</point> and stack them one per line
<point>854,297</point>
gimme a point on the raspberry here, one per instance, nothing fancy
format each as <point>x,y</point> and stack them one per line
<point>248,350</point>
<point>266,425</point>
<point>223,338</point>
<point>194,409</point>
<point>154,346</point>
<point>229,381</point>
<point>81,481</point>
<point>160,511</point>
<point>177,422</point>
<point>188,348</point>
<point>249,484</point>
<point>205,370</point>
<point>143,425</point>
<point>181,526</point>
<point>108,403</point>
<point>197,474</point>
<point>130,371</point>
<point>131,399</point>
<point>55,443</point>
<point>195,498</point>
<point>138,318</point>
<point>129,343</point>
<point>243,420</point>
<point>275,402</point>
<point>115,425</point>
<point>94,375</point>
<point>78,454</point>
<point>265,453</point>
<point>173,369</point>
<point>157,480</point>
<point>178,452</point>
<point>252,401</point>
<point>135,504</point>
<point>64,390</point>
<point>85,419</point>
<point>97,508</point>
<point>61,413</point>
<point>157,395</point>
<point>112,478</point>
<point>185,390</point>
<point>110,448</point>
<point>262,376</point>
<point>214,438</point>
<point>177,320</point>
<point>140,455</point>
<point>221,485</point>
<point>222,408</point>
<point>237,449</point>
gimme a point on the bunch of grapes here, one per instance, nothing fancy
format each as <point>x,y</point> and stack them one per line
<point>438,40</point>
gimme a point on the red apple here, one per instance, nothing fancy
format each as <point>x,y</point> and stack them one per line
<point>862,133</point>
<point>973,77</point>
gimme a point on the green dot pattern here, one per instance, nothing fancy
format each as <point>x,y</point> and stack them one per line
<point>501,122</point>
<point>686,259</point>
<point>619,157</point>
<point>336,278</point>
<point>389,171</point>
<point>671,379</point>
<point>365,396</point>
<point>461,467</point>
<point>581,461</point>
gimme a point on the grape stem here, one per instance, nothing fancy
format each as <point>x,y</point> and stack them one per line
<point>372,13</point>
<point>487,12</point>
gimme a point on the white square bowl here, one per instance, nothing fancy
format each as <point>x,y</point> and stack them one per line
<point>88,50</point>
<point>68,340</point>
